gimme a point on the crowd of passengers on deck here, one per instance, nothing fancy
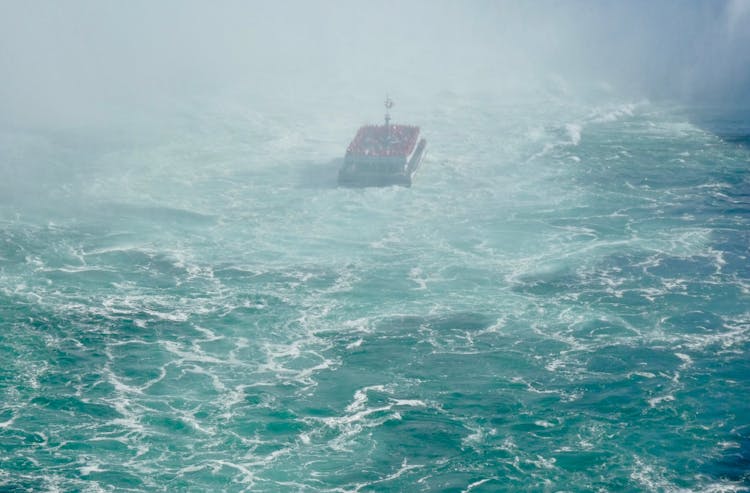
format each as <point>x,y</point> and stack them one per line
<point>379,140</point>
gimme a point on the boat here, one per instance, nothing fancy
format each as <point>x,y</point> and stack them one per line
<point>383,155</point>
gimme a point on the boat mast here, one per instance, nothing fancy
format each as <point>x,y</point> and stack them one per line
<point>388,106</point>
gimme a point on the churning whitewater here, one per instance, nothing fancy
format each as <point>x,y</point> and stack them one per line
<point>561,302</point>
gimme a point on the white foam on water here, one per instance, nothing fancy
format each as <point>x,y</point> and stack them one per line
<point>247,476</point>
<point>361,397</point>
<point>8,423</point>
<point>119,386</point>
<point>733,333</point>
<point>416,276</point>
<point>612,113</point>
<point>721,487</point>
<point>651,477</point>
<point>687,361</point>
<point>358,417</point>
<point>544,424</point>
<point>656,401</point>
<point>192,355</point>
<point>687,242</point>
<point>477,437</point>
<point>728,445</point>
<point>355,344</point>
<point>574,132</point>
<point>408,402</point>
<point>210,335</point>
<point>91,467</point>
<point>479,483</point>
<point>403,469</point>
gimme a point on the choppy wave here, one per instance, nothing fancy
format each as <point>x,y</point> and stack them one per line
<point>560,302</point>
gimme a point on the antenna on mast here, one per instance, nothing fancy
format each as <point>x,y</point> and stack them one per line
<point>388,106</point>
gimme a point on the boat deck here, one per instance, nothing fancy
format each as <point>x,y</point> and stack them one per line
<point>384,141</point>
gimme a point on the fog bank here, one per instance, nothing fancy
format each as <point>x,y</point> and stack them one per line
<point>92,62</point>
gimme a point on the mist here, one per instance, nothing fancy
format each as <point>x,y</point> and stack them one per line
<point>216,276</point>
<point>94,63</point>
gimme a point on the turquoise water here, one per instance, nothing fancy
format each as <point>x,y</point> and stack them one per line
<point>560,303</point>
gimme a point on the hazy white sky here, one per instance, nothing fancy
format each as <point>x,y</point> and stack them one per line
<point>71,60</point>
